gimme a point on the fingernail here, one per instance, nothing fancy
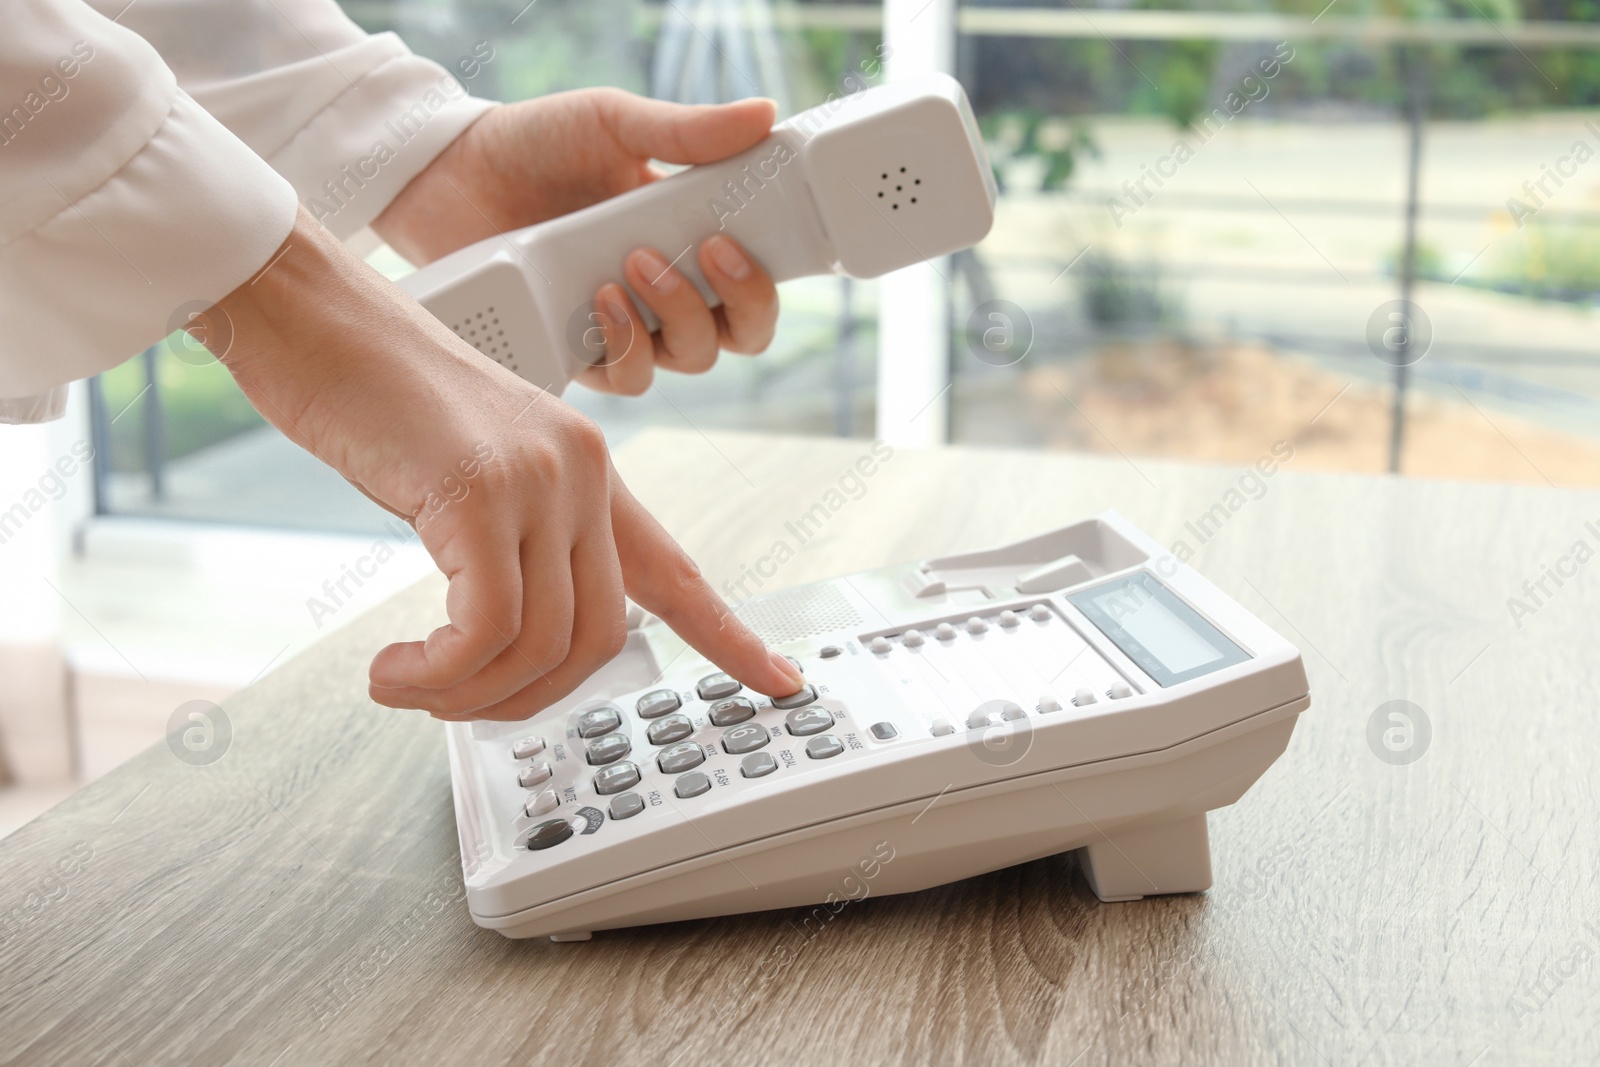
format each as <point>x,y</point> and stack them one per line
<point>789,670</point>
<point>657,271</point>
<point>614,311</point>
<point>729,260</point>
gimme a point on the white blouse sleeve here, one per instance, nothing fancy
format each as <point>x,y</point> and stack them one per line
<point>124,201</point>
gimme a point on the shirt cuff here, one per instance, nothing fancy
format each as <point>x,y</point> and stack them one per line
<point>45,407</point>
<point>350,160</point>
<point>189,218</point>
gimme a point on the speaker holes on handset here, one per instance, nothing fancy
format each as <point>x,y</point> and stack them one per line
<point>894,204</point>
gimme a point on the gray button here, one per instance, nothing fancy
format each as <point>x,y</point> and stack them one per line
<point>679,758</point>
<point>812,720</point>
<point>884,731</point>
<point>795,700</point>
<point>616,778</point>
<point>599,721</point>
<point>551,832</point>
<point>823,746</point>
<point>626,806</point>
<point>717,686</point>
<point>757,765</point>
<point>692,784</point>
<point>830,651</point>
<point>746,738</point>
<point>609,749</point>
<point>657,703</point>
<point>672,728</point>
<point>728,712</point>
<point>533,774</point>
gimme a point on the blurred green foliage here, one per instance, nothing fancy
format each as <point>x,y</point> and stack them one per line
<point>203,405</point>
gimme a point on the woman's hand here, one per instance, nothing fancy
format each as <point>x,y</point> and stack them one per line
<point>524,163</point>
<point>511,491</point>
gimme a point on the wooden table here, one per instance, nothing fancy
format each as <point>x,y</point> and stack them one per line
<point>298,901</point>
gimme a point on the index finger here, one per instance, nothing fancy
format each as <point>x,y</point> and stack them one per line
<point>661,578</point>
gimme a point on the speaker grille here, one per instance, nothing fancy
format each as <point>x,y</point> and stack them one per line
<point>484,332</point>
<point>797,613</point>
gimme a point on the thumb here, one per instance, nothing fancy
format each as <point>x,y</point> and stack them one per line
<point>685,133</point>
<point>662,579</point>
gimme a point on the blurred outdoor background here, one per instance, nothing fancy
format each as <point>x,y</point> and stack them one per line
<point>1227,302</point>
<point>1366,228</point>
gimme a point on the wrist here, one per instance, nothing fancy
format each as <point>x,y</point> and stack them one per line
<point>448,203</point>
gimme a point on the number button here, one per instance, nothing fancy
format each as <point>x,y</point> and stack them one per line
<point>657,703</point>
<point>672,728</point>
<point>717,686</point>
<point>608,749</point>
<point>746,738</point>
<point>812,720</point>
<point>680,758</point>
<point>616,778</point>
<point>728,712</point>
<point>599,721</point>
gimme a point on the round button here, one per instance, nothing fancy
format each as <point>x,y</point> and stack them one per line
<point>548,833</point>
<point>666,731</point>
<point>657,703</point>
<point>757,765</point>
<point>541,802</point>
<point>830,651</point>
<point>626,805</point>
<point>608,749</point>
<point>728,712</point>
<point>824,746</point>
<point>1039,613</point>
<point>912,639</point>
<point>944,631</point>
<point>527,748</point>
<point>599,721</point>
<point>692,785</point>
<point>1009,619</point>
<point>879,645</point>
<point>976,625</point>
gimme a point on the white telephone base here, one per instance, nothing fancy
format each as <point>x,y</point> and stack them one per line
<point>942,735</point>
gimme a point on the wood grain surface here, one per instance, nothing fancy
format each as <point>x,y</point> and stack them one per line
<point>299,901</point>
